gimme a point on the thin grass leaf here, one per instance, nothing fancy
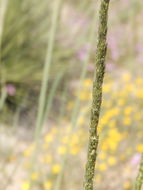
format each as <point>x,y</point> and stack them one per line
<point>51,95</point>
<point>3,97</point>
<point>42,98</point>
<point>45,78</point>
<point>3,9</point>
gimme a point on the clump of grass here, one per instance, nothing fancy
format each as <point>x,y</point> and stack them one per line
<point>43,93</point>
<point>97,95</point>
<point>45,78</point>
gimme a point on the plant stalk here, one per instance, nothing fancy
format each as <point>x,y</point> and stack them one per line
<point>97,95</point>
<point>139,179</point>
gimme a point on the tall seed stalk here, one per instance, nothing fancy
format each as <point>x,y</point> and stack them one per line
<point>139,179</point>
<point>97,95</point>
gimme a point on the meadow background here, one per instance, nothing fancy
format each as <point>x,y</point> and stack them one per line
<point>45,148</point>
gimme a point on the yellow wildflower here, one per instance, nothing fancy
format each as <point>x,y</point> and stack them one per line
<point>34,176</point>
<point>107,87</point>
<point>49,138</point>
<point>84,95</point>
<point>127,185</point>
<point>74,140</point>
<point>139,81</point>
<point>56,168</point>
<point>98,178</point>
<point>104,146</point>
<point>114,135</point>
<point>47,185</point>
<point>127,121</point>
<point>128,110</point>
<point>81,121</point>
<point>102,155</point>
<point>87,82</point>
<point>121,102</point>
<point>74,150</point>
<point>25,185</point>
<point>62,150</point>
<point>28,151</point>
<point>102,167</point>
<point>139,148</point>
<point>112,144</point>
<point>112,160</point>
<point>126,77</point>
<point>140,93</point>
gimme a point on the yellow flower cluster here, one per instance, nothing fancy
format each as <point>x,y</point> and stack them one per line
<point>119,128</point>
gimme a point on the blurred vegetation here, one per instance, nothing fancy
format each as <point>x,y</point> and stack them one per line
<point>24,36</point>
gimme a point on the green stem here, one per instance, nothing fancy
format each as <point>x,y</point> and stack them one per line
<point>139,180</point>
<point>42,98</point>
<point>44,86</point>
<point>62,110</point>
<point>97,95</point>
<point>51,95</point>
<point>3,97</point>
<point>3,10</point>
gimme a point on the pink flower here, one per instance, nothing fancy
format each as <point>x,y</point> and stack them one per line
<point>11,90</point>
<point>135,159</point>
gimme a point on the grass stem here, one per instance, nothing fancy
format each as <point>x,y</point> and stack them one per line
<point>97,95</point>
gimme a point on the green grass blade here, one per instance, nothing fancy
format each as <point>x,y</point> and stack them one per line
<point>51,95</point>
<point>42,98</point>
<point>3,97</point>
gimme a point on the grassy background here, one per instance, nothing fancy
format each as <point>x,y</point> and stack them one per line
<point>25,33</point>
